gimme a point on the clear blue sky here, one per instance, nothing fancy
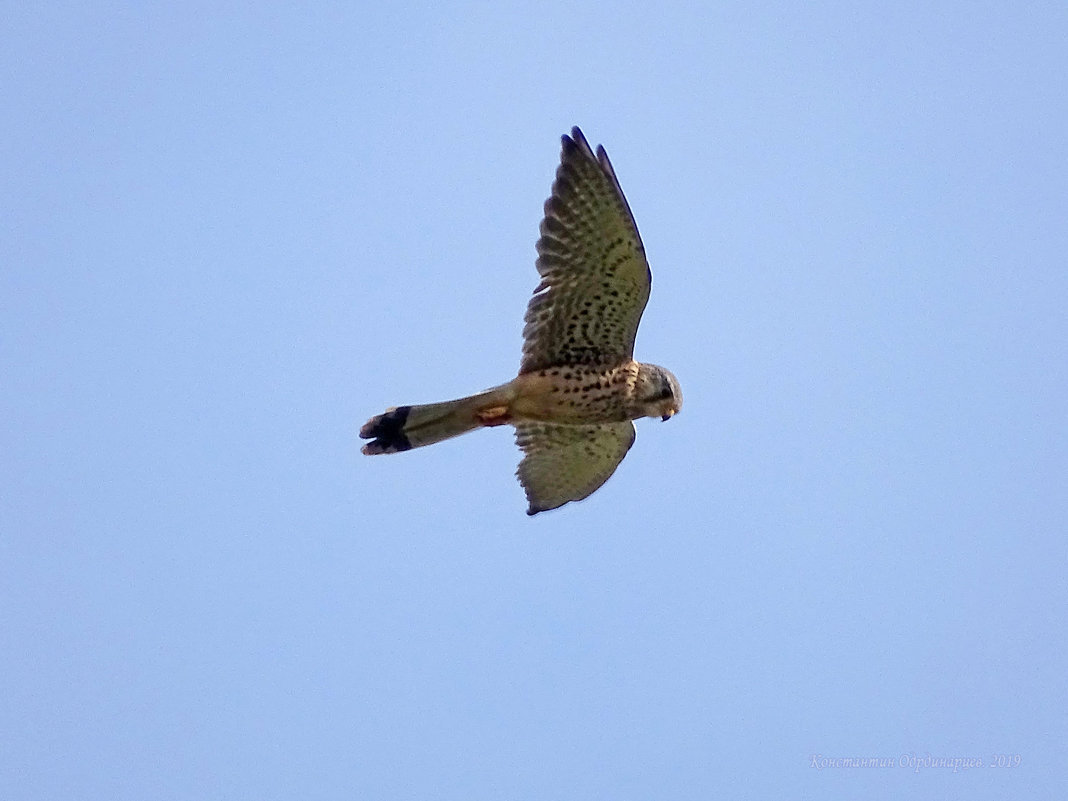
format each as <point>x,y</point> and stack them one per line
<point>231,234</point>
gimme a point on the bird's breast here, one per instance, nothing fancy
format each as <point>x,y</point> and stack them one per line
<point>574,394</point>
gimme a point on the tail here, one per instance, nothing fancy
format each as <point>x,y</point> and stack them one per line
<point>406,427</point>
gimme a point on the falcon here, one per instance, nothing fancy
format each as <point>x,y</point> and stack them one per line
<point>578,387</point>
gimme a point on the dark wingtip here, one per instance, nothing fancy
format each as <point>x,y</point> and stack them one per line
<point>577,141</point>
<point>387,431</point>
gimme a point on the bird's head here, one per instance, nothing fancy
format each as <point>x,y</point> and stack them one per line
<point>658,392</point>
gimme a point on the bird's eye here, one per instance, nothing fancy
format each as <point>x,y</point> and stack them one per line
<point>665,393</point>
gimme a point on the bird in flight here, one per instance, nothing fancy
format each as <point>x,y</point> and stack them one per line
<point>578,387</point>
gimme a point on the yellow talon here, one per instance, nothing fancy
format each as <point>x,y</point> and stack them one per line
<point>493,416</point>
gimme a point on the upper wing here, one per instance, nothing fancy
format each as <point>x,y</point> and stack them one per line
<point>564,463</point>
<point>594,276</point>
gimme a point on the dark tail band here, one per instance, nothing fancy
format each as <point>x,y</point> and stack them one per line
<point>387,432</point>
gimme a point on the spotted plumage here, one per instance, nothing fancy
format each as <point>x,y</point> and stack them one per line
<point>595,279</point>
<point>578,386</point>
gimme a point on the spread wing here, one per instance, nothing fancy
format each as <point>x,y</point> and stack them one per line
<point>564,463</point>
<point>594,276</point>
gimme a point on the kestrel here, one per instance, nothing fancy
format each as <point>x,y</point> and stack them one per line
<point>578,386</point>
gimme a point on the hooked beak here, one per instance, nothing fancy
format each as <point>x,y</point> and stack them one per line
<point>667,416</point>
